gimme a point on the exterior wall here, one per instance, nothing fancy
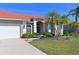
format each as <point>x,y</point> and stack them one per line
<point>49,28</point>
<point>24,24</point>
<point>44,27</point>
<point>10,21</point>
<point>66,27</point>
<point>78,29</point>
<point>41,28</point>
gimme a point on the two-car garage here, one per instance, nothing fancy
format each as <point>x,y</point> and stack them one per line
<point>9,29</point>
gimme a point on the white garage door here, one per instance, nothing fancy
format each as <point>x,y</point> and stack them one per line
<point>9,31</point>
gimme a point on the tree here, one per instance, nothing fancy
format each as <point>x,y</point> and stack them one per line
<point>75,12</point>
<point>64,21</point>
<point>53,20</point>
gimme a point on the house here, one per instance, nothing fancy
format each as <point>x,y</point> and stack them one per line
<point>14,25</point>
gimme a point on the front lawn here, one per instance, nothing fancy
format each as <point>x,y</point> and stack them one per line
<point>58,47</point>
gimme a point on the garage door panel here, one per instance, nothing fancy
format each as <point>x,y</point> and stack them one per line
<point>9,31</point>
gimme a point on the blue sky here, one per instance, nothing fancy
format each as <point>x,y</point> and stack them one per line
<point>37,8</point>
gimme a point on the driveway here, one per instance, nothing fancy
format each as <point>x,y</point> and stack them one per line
<point>18,47</point>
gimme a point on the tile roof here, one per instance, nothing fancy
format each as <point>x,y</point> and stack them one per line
<point>4,14</point>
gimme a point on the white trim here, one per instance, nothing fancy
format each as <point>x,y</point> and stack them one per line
<point>13,19</point>
<point>35,26</point>
<point>24,27</point>
<point>21,30</point>
<point>31,29</point>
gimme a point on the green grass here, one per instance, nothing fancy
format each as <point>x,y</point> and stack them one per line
<point>58,47</point>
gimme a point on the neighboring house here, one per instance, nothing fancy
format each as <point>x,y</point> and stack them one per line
<point>14,25</point>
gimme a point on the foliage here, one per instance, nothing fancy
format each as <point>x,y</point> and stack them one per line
<point>55,18</point>
<point>48,34</point>
<point>35,34</point>
<point>71,33</point>
<point>29,35</point>
<point>74,12</point>
<point>66,33</point>
<point>74,24</point>
<point>64,20</point>
<point>53,15</point>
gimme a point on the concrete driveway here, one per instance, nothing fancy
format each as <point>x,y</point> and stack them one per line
<point>17,47</point>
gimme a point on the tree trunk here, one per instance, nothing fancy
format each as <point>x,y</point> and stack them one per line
<point>55,29</point>
<point>56,37</point>
<point>61,30</point>
<point>76,19</point>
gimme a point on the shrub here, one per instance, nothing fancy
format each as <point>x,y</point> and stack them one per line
<point>48,34</point>
<point>35,34</point>
<point>75,34</point>
<point>66,32</point>
<point>71,33</point>
<point>27,35</point>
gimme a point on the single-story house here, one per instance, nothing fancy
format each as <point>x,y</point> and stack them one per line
<point>14,25</point>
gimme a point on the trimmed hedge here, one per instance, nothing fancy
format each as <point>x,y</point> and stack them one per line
<point>48,34</point>
<point>71,33</point>
<point>29,35</point>
<point>66,32</point>
<point>33,35</point>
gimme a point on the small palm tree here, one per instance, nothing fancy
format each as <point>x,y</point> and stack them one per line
<point>57,20</point>
<point>53,20</point>
<point>64,21</point>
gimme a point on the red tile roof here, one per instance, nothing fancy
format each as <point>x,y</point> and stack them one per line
<point>39,17</point>
<point>4,14</point>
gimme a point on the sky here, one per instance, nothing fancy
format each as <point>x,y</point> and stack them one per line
<point>41,9</point>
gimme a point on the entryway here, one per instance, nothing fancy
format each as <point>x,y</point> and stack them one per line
<point>39,27</point>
